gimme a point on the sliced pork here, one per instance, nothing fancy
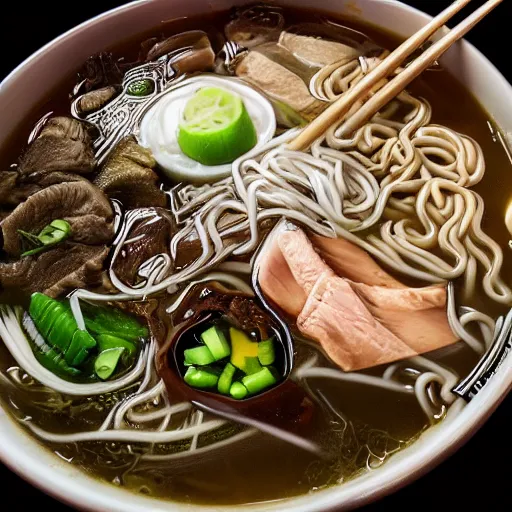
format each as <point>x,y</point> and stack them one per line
<point>279,84</point>
<point>316,51</point>
<point>354,339</point>
<point>362,316</point>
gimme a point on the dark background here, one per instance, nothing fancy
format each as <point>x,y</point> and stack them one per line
<point>478,476</point>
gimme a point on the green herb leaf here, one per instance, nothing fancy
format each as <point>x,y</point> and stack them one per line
<point>57,231</point>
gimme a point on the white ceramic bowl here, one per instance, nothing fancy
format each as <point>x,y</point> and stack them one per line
<point>29,84</point>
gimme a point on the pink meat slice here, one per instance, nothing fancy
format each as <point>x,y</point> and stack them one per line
<point>361,315</point>
<point>416,315</point>
<point>304,262</point>
<point>352,337</point>
<point>350,261</point>
<point>290,270</point>
<point>278,284</point>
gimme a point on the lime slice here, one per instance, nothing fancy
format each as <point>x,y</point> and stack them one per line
<point>215,127</point>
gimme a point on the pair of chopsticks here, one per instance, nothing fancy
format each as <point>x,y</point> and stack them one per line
<point>385,69</point>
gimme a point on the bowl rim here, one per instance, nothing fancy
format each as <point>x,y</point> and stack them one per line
<point>75,488</point>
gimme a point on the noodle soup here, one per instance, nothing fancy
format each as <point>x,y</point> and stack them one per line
<point>357,283</point>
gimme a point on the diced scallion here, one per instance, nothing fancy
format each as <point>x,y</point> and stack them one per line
<point>246,373</point>
<point>215,340</point>
<point>106,362</point>
<point>238,391</point>
<point>203,378</point>
<point>260,381</point>
<point>266,352</point>
<point>226,378</point>
<point>252,365</point>
<point>81,344</point>
<point>198,356</point>
<point>106,341</point>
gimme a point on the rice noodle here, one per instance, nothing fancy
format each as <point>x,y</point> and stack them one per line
<point>359,378</point>
<point>124,435</point>
<point>459,324</point>
<point>422,388</point>
<point>242,436</point>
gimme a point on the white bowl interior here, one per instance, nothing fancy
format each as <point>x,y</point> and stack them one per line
<point>29,84</point>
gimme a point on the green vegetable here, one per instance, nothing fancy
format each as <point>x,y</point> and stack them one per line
<point>226,378</point>
<point>257,382</point>
<point>106,341</point>
<point>216,127</point>
<point>238,391</point>
<point>203,378</point>
<point>81,344</point>
<point>108,320</point>
<point>266,352</point>
<point>54,320</point>
<point>57,231</point>
<point>242,348</point>
<point>68,347</point>
<point>200,356</point>
<point>54,362</point>
<point>106,362</point>
<point>215,340</point>
<point>141,88</point>
<point>252,365</point>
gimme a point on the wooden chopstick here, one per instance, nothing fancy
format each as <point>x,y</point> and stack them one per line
<point>341,106</point>
<point>400,82</point>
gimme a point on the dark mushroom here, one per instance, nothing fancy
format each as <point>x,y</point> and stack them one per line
<point>81,204</point>
<point>128,176</point>
<point>193,51</point>
<point>57,271</point>
<point>16,188</point>
<point>100,70</point>
<point>152,236</point>
<point>255,25</point>
<point>94,100</point>
<point>63,145</point>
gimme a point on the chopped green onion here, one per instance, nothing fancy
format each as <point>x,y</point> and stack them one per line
<point>79,348</point>
<point>226,378</point>
<point>257,382</point>
<point>200,356</point>
<point>57,231</point>
<point>33,239</point>
<point>106,341</point>
<point>203,378</point>
<point>62,225</point>
<point>252,365</point>
<point>238,391</point>
<point>54,362</point>
<point>215,340</point>
<point>266,353</point>
<point>112,321</point>
<point>106,362</point>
